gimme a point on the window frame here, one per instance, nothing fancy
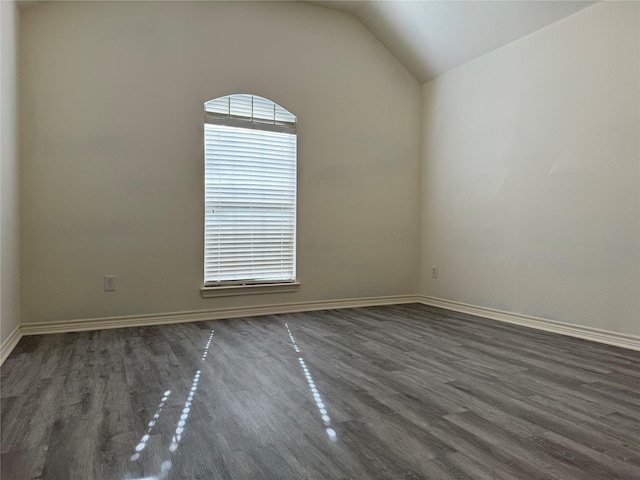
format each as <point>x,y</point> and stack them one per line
<point>281,121</point>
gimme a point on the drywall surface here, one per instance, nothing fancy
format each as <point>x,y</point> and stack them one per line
<point>530,179</point>
<point>112,111</point>
<point>433,37</point>
<point>9,172</point>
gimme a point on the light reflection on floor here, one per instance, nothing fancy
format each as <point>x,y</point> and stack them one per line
<point>293,340</point>
<point>150,425</point>
<point>177,436</point>
<point>331,433</point>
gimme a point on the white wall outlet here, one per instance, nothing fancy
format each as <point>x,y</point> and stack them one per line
<point>109,283</point>
<point>434,272</point>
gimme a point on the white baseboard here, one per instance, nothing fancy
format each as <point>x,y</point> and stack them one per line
<point>602,336</point>
<point>217,314</point>
<point>10,343</point>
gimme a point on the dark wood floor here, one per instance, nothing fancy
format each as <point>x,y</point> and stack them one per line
<point>402,392</point>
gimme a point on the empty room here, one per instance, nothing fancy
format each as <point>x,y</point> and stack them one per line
<point>320,240</point>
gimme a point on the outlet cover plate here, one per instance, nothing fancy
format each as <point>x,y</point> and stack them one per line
<point>109,283</point>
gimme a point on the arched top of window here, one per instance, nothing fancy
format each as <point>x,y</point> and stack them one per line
<point>249,111</point>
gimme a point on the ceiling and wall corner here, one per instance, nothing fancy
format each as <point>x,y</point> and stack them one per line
<point>433,37</point>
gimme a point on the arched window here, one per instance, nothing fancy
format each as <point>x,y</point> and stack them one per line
<point>250,192</point>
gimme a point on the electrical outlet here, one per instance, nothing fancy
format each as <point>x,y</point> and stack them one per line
<point>109,283</point>
<point>434,272</point>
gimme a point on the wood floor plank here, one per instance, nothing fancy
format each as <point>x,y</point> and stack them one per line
<point>389,392</point>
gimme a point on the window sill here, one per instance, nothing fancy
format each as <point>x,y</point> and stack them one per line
<point>234,290</point>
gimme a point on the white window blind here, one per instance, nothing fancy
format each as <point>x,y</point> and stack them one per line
<point>250,191</point>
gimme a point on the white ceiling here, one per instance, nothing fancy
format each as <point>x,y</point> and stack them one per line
<point>433,36</point>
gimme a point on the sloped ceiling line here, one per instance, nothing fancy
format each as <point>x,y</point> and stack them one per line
<point>433,37</point>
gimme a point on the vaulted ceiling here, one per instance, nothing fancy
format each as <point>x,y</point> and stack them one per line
<point>431,37</point>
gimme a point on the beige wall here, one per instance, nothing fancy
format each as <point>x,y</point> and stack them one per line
<point>530,179</point>
<point>112,98</point>
<point>9,172</point>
